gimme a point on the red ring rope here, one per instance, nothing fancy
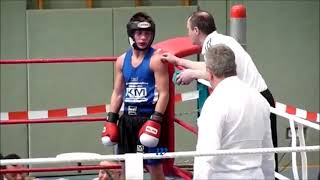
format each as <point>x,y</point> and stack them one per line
<point>59,169</point>
<point>61,120</point>
<point>58,60</point>
<point>186,126</point>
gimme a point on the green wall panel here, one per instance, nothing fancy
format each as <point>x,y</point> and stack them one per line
<point>113,3</point>
<point>219,11</point>
<point>69,33</point>
<point>13,81</point>
<point>283,39</point>
<point>165,3</point>
<point>292,46</point>
<point>58,4</point>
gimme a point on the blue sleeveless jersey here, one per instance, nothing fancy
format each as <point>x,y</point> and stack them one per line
<point>140,94</point>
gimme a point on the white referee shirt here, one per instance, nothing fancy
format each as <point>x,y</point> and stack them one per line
<point>246,69</point>
<point>233,117</point>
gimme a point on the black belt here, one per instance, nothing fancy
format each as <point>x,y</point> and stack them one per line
<point>133,110</point>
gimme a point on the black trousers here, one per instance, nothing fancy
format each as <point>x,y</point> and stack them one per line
<point>267,94</point>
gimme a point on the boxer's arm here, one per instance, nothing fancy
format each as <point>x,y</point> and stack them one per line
<point>149,133</point>
<point>160,70</point>
<point>116,97</point>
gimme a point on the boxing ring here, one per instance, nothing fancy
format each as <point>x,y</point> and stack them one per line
<point>181,47</point>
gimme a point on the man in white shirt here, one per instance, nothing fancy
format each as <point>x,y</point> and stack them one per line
<point>202,31</point>
<point>235,116</point>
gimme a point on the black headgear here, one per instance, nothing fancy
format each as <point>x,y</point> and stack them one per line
<point>146,25</point>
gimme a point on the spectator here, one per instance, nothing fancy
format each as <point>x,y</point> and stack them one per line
<point>15,176</point>
<point>108,174</point>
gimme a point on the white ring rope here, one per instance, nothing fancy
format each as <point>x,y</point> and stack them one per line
<point>280,176</point>
<point>95,158</point>
<point>295,119</point>
<point>294,154</point>
<point>304,161</point>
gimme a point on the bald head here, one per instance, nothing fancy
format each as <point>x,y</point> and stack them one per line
<point>203,20</point>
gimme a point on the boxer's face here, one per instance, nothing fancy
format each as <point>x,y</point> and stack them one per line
<point>142,38</point>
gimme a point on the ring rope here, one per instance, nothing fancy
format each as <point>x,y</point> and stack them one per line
<point>79,111</point>
<point>60,169</point>
<point>58,60</point>
<point>186,126</point>
<point>294,154</point>
<point>295,118</point>
<point>96,109</point>
<point>55,120</point>
<point>88,119</point>
<point>188,113</point>
<point>304,161</point>
<point>167,155</point>
<point>280,176</point>
<point>278,112</point>
<point>312,116</point>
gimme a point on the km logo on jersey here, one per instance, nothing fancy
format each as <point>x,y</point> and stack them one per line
<point>136,92</point>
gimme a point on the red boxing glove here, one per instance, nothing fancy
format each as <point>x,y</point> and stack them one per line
<point>149,133</point>
<point>110,133</point>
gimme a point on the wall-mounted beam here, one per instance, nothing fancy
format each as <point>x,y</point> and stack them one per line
<point>186,2</point>
<point>137,2</point>
<point>89,3</point>
<point>40,4</point>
